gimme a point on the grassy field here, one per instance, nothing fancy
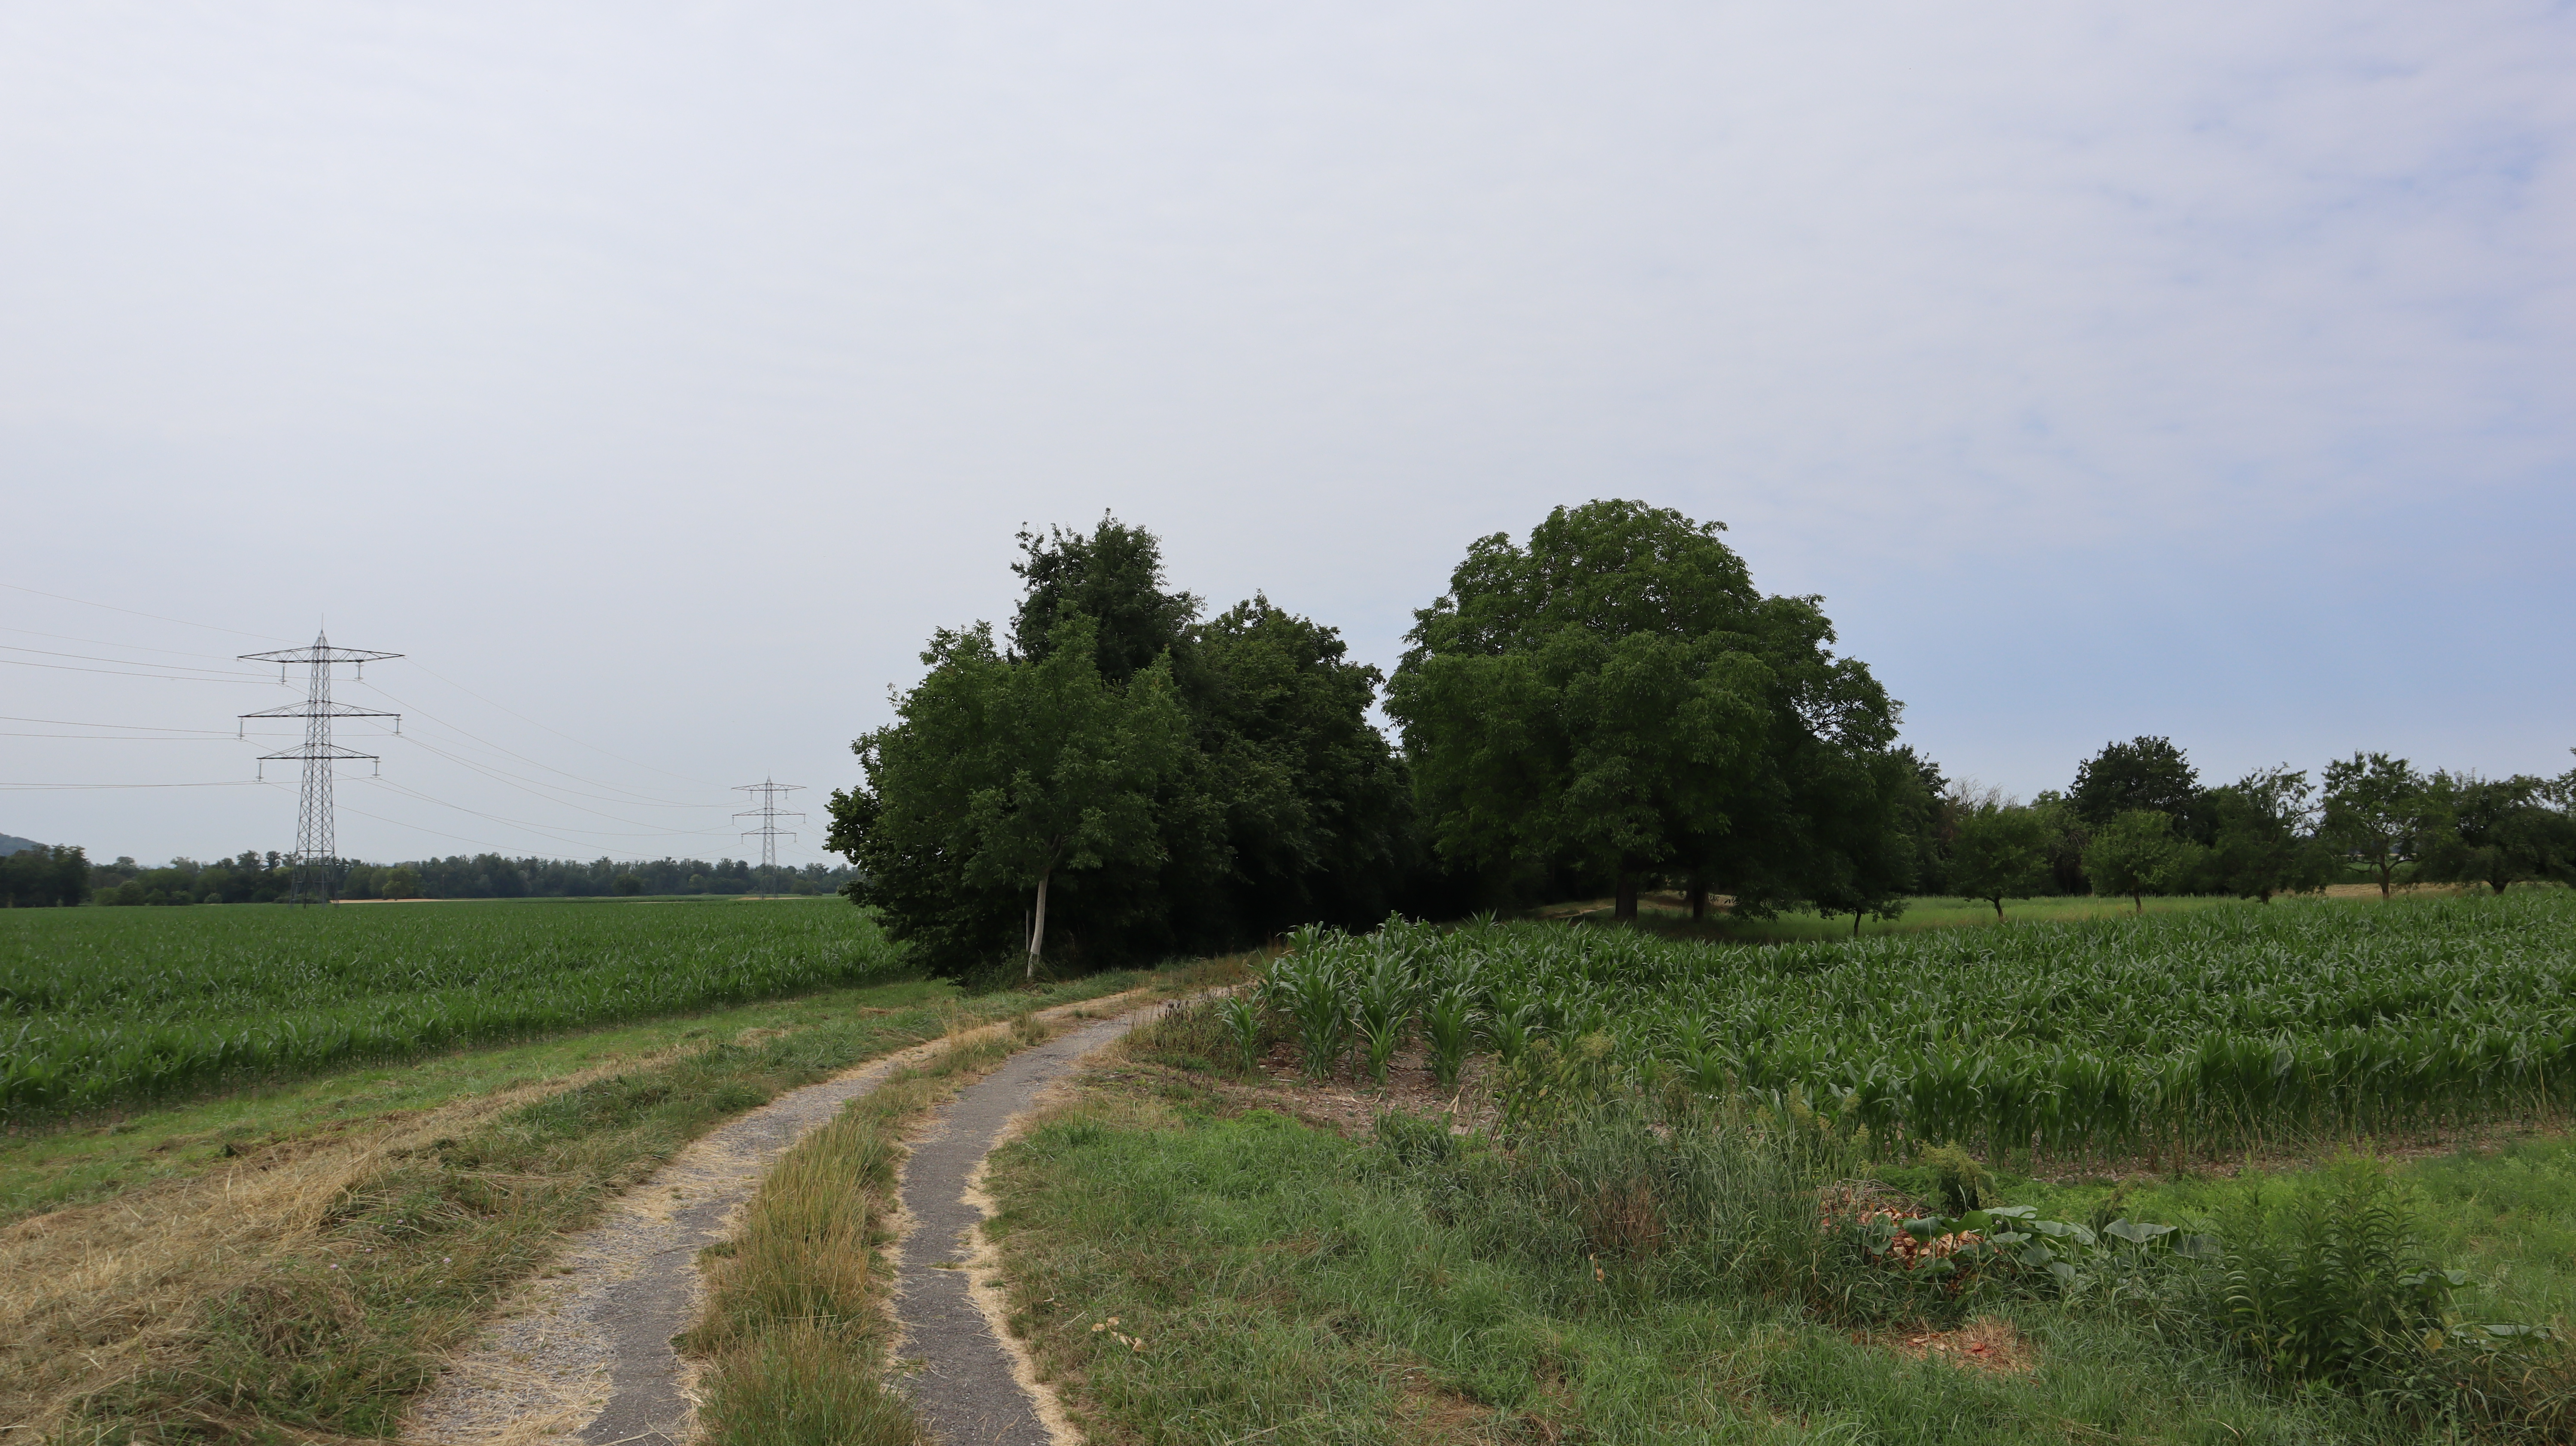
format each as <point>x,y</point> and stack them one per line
<point>2201,1030</point>
<point>110,1007</point>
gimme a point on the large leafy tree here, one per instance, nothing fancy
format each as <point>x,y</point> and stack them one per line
<point>999,774</point>
<point>2381,811</point>
<point>2145,772</point>
<point>1616,698</point>
<point>1998,848</point>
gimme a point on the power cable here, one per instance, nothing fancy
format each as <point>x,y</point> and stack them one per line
<point>136,727</point>
<point>113,643</point>
<point>525,788</point>
<point>221,783</point>
<point>533,784</point>
<point>417,711</point>
<point>559,733</point>
<point>156,617</point>
<point>114,673</point>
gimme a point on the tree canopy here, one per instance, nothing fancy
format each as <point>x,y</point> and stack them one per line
<point>1616,699</point>
<point>1279,804</point>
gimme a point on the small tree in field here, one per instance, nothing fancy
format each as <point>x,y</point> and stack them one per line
<point>1999,849</point>
<point>2132,854</point>
<point>2379,809</point>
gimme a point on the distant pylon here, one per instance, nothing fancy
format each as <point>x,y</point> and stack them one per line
<point>769,813</point>
<point>317,858</point>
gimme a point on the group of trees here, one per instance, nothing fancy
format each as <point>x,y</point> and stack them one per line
<point>1610,707</point>
<point>2137,821</point>
<point>1123,776</point>
<point>38,875</point>
<point>65,876</point>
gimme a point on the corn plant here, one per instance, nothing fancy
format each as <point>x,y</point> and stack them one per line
<point>1449,1022</point>
<point>1240,1013</point>
<point>1382,1003</point>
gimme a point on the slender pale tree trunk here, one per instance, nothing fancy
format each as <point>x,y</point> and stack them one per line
<point>1037,930</point>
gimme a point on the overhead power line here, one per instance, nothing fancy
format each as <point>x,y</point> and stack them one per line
<point>156,617</point>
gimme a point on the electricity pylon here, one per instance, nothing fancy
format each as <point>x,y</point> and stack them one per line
<point>316,852</point>
<point>769,813</point>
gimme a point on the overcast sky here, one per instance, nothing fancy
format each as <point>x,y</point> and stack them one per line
<point>656,378</point>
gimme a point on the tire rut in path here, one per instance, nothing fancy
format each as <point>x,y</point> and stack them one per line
<point>591,1348</point>
<point>965,1385</point>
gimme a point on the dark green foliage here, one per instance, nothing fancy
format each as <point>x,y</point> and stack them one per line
<point>1285,806</point>
<point>43,877</point>
<point>1998,850</point>
<point>2502,831</point>
<point>2263,844</point>
<point>1616,701</point>
<point>2143,773</point>
<point>256,878</point>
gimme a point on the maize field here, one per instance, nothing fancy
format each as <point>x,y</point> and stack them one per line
<point>2196,1032</point>
<point>103,1007</point>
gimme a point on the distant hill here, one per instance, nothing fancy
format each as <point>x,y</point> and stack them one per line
<point>10,843</point>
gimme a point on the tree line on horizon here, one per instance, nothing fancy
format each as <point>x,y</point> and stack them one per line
<point>1608,708</point>
<point>62,875</point>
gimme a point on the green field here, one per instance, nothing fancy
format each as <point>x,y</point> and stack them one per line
<point>2204,1030</point>
<point>104,1007</point>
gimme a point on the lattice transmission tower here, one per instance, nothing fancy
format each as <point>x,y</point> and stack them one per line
<point>317,859</point>
<point>769,813</point>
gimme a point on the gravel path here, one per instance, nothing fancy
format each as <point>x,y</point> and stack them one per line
<point>968,1384</point>
<point>587,1349</point>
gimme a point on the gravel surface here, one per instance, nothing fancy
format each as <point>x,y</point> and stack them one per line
<point>968,1384</point>
<point>585,1350</point>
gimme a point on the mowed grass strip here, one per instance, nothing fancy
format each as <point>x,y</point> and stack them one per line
<point>107,1007</point>
<point>309,1290</point>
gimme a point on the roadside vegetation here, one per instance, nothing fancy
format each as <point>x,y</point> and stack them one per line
<point>1587,1238</point>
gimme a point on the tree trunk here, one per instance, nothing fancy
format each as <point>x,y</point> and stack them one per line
<point>1999,908</point>
<point>1856,913</point>
<point>2140,900</point>
<point>1625,911</point>
<point>1037,931</point>
<point>1699,900</point>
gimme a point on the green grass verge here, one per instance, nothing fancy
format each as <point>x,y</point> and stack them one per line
<point>1189,1272</point>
